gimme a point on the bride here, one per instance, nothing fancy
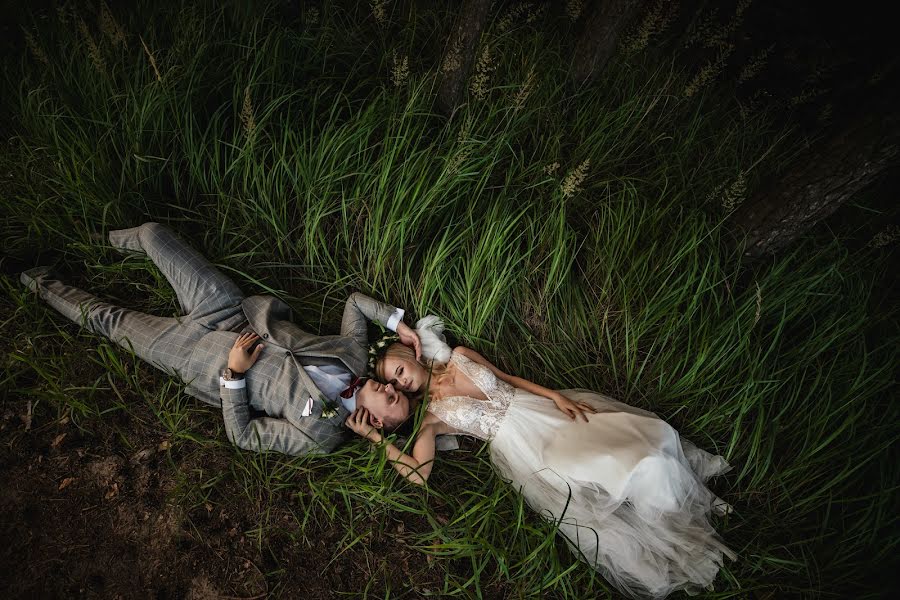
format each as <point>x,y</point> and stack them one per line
<point>627,492</point>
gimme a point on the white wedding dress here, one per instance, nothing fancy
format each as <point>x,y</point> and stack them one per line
<point>627,492</point>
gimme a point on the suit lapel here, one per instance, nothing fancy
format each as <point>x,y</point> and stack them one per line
<point>271,319</point>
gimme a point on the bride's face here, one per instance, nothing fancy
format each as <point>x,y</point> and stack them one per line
<point>406,375</point>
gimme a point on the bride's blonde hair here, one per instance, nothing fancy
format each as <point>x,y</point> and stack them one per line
<point>404,352</point>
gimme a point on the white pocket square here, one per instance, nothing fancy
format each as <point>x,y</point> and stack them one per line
<point>307,410</point>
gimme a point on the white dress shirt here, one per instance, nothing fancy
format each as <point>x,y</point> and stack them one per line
<point>332,380</point>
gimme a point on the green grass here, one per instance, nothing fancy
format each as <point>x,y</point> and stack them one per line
<point>631,286</point>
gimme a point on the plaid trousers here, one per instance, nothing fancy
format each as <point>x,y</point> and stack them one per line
<point>208,299</point>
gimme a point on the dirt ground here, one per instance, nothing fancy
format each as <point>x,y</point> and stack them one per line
<point>101,514</point>
<point>88,518</point>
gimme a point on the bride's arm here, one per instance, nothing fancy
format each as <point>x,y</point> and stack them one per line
<point>573,409</point>
<point>415,468</point>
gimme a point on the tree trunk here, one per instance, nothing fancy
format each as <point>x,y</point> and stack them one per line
<point>460,53</point>
<point>823,178</point>
<point>604,23</point>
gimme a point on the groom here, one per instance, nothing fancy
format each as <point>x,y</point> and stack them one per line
<point>244,353</point>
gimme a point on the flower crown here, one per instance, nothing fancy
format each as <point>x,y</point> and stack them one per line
<point>379,347</point>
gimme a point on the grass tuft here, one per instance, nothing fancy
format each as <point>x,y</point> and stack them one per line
<point>575,237</point>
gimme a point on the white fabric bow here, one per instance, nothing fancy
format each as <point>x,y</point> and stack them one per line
<point>431,333</point>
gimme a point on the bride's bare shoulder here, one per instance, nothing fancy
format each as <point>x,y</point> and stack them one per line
<point>461,354</point>
<point>431,418</point>
<point>440,426</point>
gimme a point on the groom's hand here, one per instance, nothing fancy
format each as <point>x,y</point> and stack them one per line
<point>360,423</point>
<point>409,337</point>
<point>239,359</point>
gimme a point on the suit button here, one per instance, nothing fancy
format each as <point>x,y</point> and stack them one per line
<point>265,336</point>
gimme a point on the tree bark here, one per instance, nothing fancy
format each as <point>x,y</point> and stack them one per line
<point>822,178</point>
<point>604,23</point>
<point>460,53</point>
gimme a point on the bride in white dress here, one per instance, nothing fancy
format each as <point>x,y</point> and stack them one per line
<point>627,491</point>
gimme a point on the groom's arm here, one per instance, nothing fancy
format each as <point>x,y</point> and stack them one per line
<point>259,435</point>
<point>360,309</point>
<point>262,434</point>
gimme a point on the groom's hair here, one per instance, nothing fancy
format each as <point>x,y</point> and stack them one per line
<point>398,427</point>
<point>404,429</point>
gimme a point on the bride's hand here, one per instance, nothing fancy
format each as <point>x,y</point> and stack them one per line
<point>573,409</point>
<point>358,422</point>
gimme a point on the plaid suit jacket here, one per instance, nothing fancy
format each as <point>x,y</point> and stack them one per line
<point>277,384</point>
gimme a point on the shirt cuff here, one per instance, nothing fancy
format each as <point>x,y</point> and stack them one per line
<point>233,385</point>
<point>395,319</point>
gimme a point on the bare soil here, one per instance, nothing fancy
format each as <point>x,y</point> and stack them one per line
<point>111,507</point>
<point>88,516</point>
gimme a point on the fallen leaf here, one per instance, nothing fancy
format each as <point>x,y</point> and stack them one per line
<point>405,566</point>
<point>435,542</point>
<point>26,418</point>
<point>142,454</point>
<point>64,421</point>
<point>65,483</point>
<point>57,440</point>
<point>112,491</point>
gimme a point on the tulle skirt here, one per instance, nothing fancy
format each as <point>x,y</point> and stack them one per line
<point>627,492</point>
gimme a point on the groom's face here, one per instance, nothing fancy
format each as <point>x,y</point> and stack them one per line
<point>384,403</point>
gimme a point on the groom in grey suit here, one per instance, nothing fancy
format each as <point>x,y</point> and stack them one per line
<point>305,384</point>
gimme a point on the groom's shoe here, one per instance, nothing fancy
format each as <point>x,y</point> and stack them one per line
<point>32,277</point>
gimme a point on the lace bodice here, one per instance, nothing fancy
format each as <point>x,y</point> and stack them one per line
<point>480,418</point>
